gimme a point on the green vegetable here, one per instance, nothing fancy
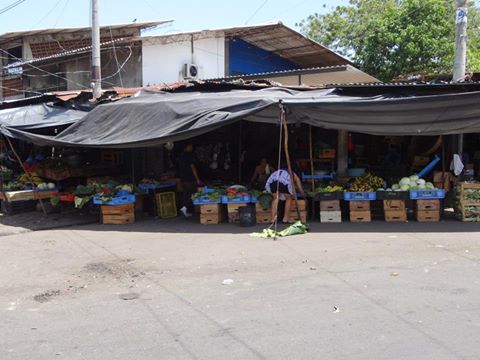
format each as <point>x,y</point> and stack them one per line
<point>265,201</point>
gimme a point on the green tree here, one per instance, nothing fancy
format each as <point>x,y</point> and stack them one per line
<point>387,38</point>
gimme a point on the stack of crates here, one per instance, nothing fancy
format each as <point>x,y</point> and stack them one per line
<point>212,214</point>
<point>263,216</point>
<point>360,211</point>
<point>359,205</point>
<point>395,210</point>
<point>233,214</point>
<point>427,210</point>
<point>330,211</point>
<point>301,214</point>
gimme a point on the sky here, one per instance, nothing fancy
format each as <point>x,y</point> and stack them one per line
<point>188,14</point>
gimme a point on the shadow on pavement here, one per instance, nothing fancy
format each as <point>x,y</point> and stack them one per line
<point>185,226</point>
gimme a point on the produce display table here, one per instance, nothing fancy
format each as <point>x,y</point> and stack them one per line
<point>23,195</point>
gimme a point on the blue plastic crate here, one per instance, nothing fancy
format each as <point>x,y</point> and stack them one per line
<point>117,200</point>
<point>359,196</point>
<point>204,200</point>
<point>238,199</point>
<point>208,190</point>
<point>122,193</point>
<point>427,194</point>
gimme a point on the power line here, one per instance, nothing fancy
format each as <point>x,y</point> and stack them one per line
<point>45,71</point>
<point>11,6</point>
<point>256,11</point>
<point>46,15</point>
<point>61,13</point>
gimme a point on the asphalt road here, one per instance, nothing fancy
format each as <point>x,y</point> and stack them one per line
<point>155,290</point>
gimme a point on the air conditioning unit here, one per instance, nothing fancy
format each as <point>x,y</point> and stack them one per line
<point>190,71</point>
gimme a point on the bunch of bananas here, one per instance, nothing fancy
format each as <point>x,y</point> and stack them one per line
<point>367,182</point>
<point>330,188</point>
<point>28,179</point>
<point>358,187</point>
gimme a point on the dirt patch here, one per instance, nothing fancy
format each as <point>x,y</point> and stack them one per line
<point>46,296</point>
<point>118,270</point>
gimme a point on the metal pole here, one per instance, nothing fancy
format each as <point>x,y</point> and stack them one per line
<point>96,73</point>
<point>460,51</point>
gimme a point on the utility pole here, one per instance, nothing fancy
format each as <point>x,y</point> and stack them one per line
<point>460,51</point>
<point>96,74</point>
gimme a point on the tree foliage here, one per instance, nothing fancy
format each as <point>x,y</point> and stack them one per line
<point>387,38</point>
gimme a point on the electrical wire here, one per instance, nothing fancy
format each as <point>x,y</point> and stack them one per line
<point>119,68</point>
<point>45,71</point>
<point>256,11</point>
<point>60,15</point>
<point>116,57</point>
<point>11,6</point>
<point>46,15</point>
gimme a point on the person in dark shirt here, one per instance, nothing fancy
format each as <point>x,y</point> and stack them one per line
<point>188,174</point>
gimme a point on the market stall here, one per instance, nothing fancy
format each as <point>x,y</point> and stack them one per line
<point>155,119</point>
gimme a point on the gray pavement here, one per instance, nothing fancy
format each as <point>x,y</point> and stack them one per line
<point>153,290</point>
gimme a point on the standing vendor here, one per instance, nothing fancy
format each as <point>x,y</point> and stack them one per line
<point>188,174</point>
<point>262,172</point>
<point>280,184</point>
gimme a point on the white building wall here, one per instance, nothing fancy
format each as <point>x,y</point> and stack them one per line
<point>162,63</point>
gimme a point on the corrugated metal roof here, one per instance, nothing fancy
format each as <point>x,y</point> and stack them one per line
<point>316,69</point>
<point>18,34</point>
<point>274,37</point>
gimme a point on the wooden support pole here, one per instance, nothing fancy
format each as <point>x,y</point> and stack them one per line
<point>287,156</point>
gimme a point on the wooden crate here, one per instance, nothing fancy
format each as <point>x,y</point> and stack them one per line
<point>211,209</point>
<point>293,216</point>
<point>118,214</point>
<point>259,208</point>
<point>361,216</point>
<point>264,217</point>
<point>330,216</point>
<point>166,204</point>
<point>302,205</point>
<point>398,215</point>
<point>330,205</point>
<point>393,205</point>
<point>359,205</point>
<point>427,215</point>
<point>425,205</point>
<point>212,218</point>
<point>233,215</point>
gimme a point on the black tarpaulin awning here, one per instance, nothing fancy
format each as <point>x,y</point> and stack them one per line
<point>153,118</point>
<point>39,116</point>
